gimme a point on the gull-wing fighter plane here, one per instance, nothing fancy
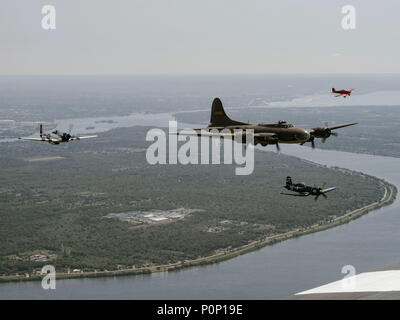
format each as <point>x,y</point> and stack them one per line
<point>343,92</point>
<point>56,137</point>
<point>304,191</point>
<point>264,133</point>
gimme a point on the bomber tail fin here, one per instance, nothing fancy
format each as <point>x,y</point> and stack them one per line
<point>219,117</point>
<point>41,130</point>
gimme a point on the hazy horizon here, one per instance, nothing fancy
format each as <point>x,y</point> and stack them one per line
<point>180,37</point>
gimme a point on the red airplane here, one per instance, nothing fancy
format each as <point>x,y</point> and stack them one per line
<point>343,93</point>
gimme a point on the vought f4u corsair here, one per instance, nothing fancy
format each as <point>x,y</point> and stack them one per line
<point>304,191</point>
<point>56,137</point>
<point>264,133</point>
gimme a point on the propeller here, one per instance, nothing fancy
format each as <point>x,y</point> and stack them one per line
<point>330,133</point>
<point>278,148</point>
<point>68,135</point>
<point>320,193</point>
<point>323,132</point>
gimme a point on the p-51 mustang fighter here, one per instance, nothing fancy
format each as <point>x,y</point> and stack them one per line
<point>343,93</point>
<point>264,133</point>
<point>305,191</point>
<point>56,137</point>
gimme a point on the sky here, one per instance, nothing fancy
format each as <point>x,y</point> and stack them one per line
<point>178,37</point>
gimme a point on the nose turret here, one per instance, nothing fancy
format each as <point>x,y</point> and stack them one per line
<point>302,135</point>
<point>306,135</point>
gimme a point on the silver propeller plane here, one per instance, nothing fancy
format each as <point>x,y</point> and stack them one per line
<point>56,137</point>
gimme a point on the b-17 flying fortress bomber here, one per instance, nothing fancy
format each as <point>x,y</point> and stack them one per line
<point>264,133</point>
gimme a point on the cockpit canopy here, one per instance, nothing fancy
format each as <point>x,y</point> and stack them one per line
<point>279,124</point>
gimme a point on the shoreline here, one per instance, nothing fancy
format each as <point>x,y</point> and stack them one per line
<point>387,199</point>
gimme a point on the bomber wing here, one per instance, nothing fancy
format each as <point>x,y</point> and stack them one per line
<point>207,133</point>
<point>203,134</point>
<point>321,129</point>
<point>342,126</point>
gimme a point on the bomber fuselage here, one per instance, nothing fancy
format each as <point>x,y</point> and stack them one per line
<point>283,134</point>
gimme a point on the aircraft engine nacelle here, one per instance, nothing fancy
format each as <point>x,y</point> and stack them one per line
<point>322,132</point>
<point>266,138</point>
